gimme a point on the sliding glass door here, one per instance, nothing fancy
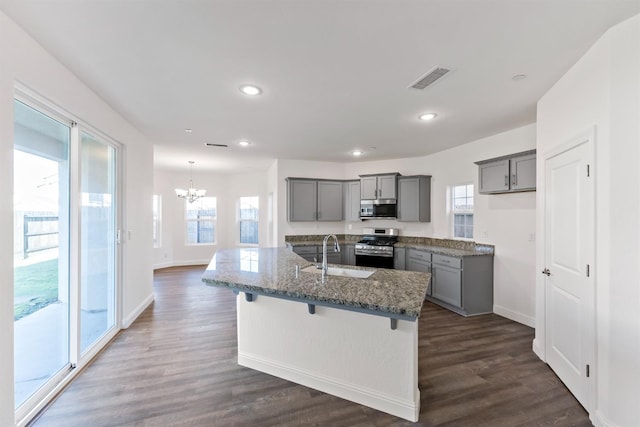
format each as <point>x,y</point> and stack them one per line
<point>65,249</point>
<point>97,239</point>
<point>41,250</point>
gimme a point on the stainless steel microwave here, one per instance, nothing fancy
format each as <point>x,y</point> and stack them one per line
<point>378,209</point>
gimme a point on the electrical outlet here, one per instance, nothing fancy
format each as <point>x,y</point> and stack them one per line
<point>532,237</point>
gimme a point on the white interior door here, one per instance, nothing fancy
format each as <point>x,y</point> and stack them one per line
<point>570,285</point>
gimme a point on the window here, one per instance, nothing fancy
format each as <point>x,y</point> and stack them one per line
<point>201,221</point>
<point>248,219</point>
<point>463,211</point>
<point>156,221</point>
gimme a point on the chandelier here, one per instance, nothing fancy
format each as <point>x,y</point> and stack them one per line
<point>191,194</point>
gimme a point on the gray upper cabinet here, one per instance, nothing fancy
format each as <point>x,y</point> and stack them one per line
<point>374,187</point>
<point>369,188</point>
<point>523,173</point>
<point>494,177</point>
<point>414,198</point>
<point>302,199</point>
<point>330,201</point>
<point>516,172</point>
<point>314,200</point>
<point>352,200</point>
<point>387,187</point>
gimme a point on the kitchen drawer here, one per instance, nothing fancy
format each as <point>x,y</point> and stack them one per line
<point>418,254</point>
<point>449,261</point>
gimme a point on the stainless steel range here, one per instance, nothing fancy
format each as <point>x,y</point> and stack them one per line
<point>376,247</point>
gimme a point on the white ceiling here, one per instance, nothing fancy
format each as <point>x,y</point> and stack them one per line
<point>335,74</point>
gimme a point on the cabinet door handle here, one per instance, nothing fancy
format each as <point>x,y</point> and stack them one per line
<point>514,181</point>
<point>506,180</point>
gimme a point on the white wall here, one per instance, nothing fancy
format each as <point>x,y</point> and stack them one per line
<point>21,59</point>
<point>227,189</point>
<point>273,194</point>
<point>603,90</point>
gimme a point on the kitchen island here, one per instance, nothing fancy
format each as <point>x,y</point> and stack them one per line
<point>356,338</point>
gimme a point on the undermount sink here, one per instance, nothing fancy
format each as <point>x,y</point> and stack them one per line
<point>339,271</point>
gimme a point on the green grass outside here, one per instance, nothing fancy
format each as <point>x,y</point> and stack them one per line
<point>35,287</point>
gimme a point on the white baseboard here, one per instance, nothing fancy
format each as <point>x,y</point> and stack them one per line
<point>184,263</point>
<point>600,420</point>
<point>537,349</point>
<point>405,409</point>
<point>162,265</point>
<point>128,321</point>
<point>516,317</point>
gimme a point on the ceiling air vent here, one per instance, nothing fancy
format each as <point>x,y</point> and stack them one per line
<point>429,79</point>
<point>211,144</point>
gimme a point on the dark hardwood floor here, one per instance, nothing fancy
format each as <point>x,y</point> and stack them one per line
<point>176,366</point>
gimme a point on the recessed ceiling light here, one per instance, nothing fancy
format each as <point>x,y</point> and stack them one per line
<point>188,130</point>
<point>519,77</point>
<point>244,143</point>
<point>427,116</point>
<point>356,153</point>
<point>250,90</point>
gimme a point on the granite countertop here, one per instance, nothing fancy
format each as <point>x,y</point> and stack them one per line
<point>443,250</point>
<point>449,247</point>
<point>272,272</point>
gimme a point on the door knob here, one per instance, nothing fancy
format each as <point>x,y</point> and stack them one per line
<point>546,272</point>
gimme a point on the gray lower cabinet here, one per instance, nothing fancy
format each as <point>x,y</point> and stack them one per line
<point>464,285</point>
<point>414,198</point>
<point>447,284</point>
<point>399,258</point>
<point>332,257</point>
<point>309,253</point>
<point>419,260</point>
<point>348,254</point>
<point>313,253</point>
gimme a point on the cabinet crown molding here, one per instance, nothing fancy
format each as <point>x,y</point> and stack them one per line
<point>506,157</point>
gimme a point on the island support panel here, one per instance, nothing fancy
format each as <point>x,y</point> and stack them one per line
<point>355,356</point>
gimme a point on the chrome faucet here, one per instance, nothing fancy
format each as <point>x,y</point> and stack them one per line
<point>336,248</point>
